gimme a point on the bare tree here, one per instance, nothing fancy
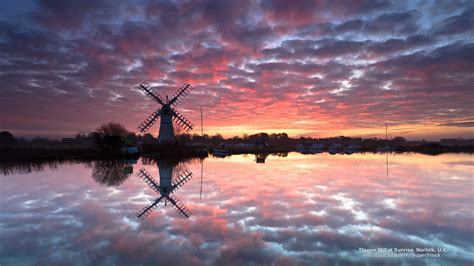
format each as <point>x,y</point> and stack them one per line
<point>110,136</point>
<point>112,129</point>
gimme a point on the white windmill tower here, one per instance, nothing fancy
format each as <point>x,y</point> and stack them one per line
<point>166,113</point>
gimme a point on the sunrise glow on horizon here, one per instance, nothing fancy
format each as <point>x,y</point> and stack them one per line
<point>306,68</point>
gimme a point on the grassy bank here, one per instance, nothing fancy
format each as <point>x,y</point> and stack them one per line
<point>176,151</point>
<point>87,152</point>
<point>25,153</point>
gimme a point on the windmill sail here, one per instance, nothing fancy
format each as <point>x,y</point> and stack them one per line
<point>151,93</point>
<point>182,121</point>
<point>165,191</point>
<point>143,174</point>
<point>143,213</point>
<point>185,177</point>
<point>181,93</point>
<point>179,207</point>
<point>143,127</point>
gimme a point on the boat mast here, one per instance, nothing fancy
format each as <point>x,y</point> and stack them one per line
<point>202,162</point>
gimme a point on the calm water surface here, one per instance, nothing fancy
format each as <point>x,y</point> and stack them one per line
<point>299,209</point>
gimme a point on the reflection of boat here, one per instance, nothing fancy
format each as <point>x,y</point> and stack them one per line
<point>128,170</point>
<point>165,189</point>
<point>386,148</point>
<point>335,148</point>
<point>301,148</point>
<point>130,150</point>
<point>261,157</point>
<point>352,149</point>
<point>316,147</point>
<point>310,149</point>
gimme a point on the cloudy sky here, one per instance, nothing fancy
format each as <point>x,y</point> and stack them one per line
<point>308,68</point>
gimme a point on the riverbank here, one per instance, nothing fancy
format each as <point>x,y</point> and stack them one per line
<point>431,149</point>
<point>180,151</point>
<point>87,152</point>
<point>25,153</point>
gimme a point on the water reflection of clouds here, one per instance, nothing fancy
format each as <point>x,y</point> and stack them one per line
<point>278,213</point>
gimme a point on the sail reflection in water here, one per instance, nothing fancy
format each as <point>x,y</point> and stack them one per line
<point>165,189</point>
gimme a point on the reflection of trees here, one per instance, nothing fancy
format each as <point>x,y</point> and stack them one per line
<point>26,167</point>
<point>109,173</point>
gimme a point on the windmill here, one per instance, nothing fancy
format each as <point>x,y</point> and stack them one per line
<point>165,189</point>
<point>166,112</point>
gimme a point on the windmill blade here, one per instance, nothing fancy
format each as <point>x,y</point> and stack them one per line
<point>179,206</point>
<point>182,121</point>
<point>143,127</point>
<point>143,213</point>
<point>181,93</point>
<point>183,179</point>
<point>150,181</point>
<point>151,92</point>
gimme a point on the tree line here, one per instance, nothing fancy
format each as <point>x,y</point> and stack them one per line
<point>112,136</point>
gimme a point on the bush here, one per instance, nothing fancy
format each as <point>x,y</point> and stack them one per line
<point>6,138</point>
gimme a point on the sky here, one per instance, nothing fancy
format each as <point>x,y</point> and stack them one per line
<point>307,68</point>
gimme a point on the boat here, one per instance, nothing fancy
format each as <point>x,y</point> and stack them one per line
<point>386,148</point>
<point>220,152</point>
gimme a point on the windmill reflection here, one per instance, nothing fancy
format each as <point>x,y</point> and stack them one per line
<point>165,188</point>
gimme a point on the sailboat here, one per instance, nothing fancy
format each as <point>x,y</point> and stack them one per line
<point>386,148</point>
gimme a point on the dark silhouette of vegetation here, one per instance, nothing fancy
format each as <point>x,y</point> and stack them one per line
<point>109,172</point>
<point>19,167</point>
<point>105,142</point>
<point>281,142</point>
<point>110,137</point>
<point>6,138</point>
